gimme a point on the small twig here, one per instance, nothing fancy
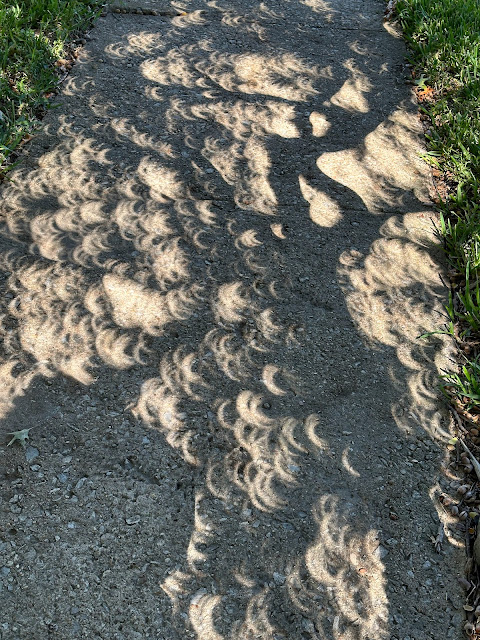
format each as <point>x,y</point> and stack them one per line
<point>458,420</point>
<point>468,543</point>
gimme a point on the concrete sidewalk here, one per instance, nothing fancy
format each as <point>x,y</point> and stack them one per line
<point>215,262</point>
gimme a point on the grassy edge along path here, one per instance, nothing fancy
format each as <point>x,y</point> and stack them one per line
<point>444,40</point>
<point>37,47</point>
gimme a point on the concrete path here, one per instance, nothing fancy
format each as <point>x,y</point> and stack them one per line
<point>214,264</point>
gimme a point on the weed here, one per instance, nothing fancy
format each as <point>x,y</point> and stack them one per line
<point>20,436</point>
<point>33,37</point>
<point>465,384</point>
<point>444,40</point>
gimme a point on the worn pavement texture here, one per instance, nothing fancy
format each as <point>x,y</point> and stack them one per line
<point>215,262</point>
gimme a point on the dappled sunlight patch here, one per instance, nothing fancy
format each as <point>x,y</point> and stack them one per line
<point>159,406</point>
<point>346,464</point>
<point>381,298</point>
<point>59,342</point>
<point>39,337</point>
<point>232,301</point>
<point>180,585</point>
<point>324,211</point>
<point>247,168</point>
<point>391,294</point>
<point>265,456</point>
<point>248,238</point>
<point>223,158</point>
<point>382,171</point>
<point>164,183</point>
<point>136,44</point>
<point>175,587</point>
<point>257,622</point>
<point>278,231</point>
<point>172,69</point>
<point>169,262</point>
<point>268,379</point>
<point>16,380</point>
<point>420,400</point>
<point>189,19</point>
<point>124,127</point>
<point>201,617</point>
<point>117,349</point>
<point>203,531</point>
<point>141,222</point>
<point>267,75</point>
<point>320,124</point>
<point>73,84</point>
<point>351,95</point>
<point>161,399</point>
<point>249,409</point>
<point>201,210</point>
<point>233,359</point>
<point>345,563</point>
<point>242,119</point>
<point>256,192</point>
<point>321,6</point>
<point>284,76</point>
<point>101,108</point>
<point>242,22</point>
<point>313,431</point>
<point>135,306</point>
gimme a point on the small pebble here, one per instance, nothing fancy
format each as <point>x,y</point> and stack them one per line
<point>381,552</point>
<point>31,453</point>
<point>80,483</point>
<point>279,578</point>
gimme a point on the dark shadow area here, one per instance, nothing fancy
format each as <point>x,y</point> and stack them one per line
<point>214,264</point>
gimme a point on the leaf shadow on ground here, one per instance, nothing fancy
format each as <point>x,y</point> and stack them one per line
<point>214,264</point>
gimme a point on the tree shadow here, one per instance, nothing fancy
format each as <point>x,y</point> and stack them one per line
<point>222,236</point>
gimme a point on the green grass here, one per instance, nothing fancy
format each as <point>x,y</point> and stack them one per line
<point>444,41</point>
<point>465,384</point>
<point>33,37</point>
<point>444,38</point>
